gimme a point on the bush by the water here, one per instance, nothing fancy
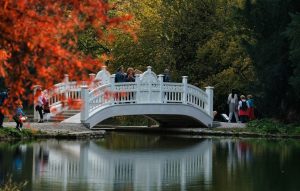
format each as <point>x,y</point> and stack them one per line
<point>270,126</point>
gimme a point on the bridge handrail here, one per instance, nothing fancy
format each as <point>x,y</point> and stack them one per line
<point>136,93</point>
<point>147,89</point>
<point>99,96</point>
<point>60,93</point>
<point>196,97</point>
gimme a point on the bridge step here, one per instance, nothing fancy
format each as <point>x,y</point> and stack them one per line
<point>64,115</point>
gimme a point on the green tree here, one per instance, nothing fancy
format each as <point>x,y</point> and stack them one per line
<point>293,34</point>
<point>223,61</point>
<point>270,55</point>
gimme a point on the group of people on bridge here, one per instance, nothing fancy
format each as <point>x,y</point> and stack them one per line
<point>130,75</point>
<point>241,108</point>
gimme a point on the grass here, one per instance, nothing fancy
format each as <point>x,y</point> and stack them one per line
<point>270,126</point>
<point>7,133</point>
<point>265,127</point>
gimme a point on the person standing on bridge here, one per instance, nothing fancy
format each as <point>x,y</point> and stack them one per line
<point>167,77</point>
<point>130,77</point>
<point>232,102</point>
<point>120,76</point>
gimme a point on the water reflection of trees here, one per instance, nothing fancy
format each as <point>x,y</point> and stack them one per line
<point>255,164</point>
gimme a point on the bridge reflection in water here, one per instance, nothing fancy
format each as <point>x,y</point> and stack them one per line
<point>99,165</point>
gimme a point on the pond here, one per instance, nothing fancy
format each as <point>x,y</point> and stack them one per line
<point>127,161</point>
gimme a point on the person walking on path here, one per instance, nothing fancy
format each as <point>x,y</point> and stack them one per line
<point>250,103</point>
<point>46,106</point>
<point>19,117</point>
<point>232,102</point>
<point>243,109</point>
<point>39,105</point>
<point>3,97</point>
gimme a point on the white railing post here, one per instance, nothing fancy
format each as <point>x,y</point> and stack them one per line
<point>85,104</point>
<point>184,95</point>
<point>66,82</point>
<point>210,100</point>
<point>161,93</point>
<point>138,88</point>
<point>149,85</point>
<point>35,113</point>
<point>112,88</point>
<point>92,80</point>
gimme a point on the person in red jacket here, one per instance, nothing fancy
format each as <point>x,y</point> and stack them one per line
<point>243,109</point>
<point>251,107</point>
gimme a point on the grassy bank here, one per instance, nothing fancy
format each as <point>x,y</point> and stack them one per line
<point>266,127</point>
<point>13,133</point>
<point>270,126</point>
<point>10,133</point>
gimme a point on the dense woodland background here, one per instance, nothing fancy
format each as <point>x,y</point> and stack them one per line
<point>249,45</point>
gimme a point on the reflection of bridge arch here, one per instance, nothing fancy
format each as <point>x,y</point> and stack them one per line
<point>140,169</point>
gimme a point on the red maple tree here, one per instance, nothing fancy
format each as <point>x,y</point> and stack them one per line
<point>38,41</point>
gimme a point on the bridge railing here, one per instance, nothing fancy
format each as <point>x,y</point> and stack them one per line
<point>147,89</point>
<point>59,95</point>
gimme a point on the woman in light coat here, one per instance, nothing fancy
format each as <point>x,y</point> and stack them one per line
<point>233,102</point>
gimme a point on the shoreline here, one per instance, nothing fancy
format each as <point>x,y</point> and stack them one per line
<point>54,130</point>
<point>49,130</point>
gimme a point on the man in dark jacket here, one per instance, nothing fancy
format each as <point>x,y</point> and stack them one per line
<point>3,96</point>
<point>120,76</point>
<point>167,77</point>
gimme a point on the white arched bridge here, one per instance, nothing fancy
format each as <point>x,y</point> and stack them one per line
<point>168,103</point>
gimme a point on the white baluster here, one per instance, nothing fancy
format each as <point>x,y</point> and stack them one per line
<point>210,94</point>
<point>112,89</point>
<point>85,104</point>
<point>138,88</point>
<point>161,93</point>
<point>67,87</point>
<point>184,96</point>
<point>149,85</point>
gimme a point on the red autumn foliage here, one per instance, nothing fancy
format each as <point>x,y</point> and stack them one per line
<point>38,41</point>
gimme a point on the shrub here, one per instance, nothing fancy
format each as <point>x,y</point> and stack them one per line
<point>267,126</point>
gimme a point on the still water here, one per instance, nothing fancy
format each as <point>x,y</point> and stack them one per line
<point>126,161</point>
